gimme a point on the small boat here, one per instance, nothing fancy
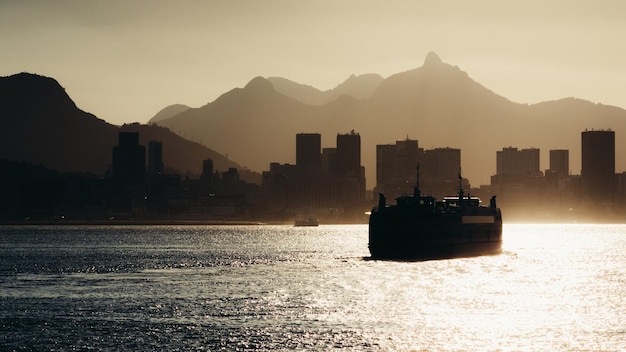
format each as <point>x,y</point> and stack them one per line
<point>307,222</point>
<point>420,227</point>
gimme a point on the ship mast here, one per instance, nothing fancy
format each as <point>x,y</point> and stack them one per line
<point>416,189</point>
<point>461,195</point>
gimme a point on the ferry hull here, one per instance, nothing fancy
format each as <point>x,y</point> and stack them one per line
<point>432,238</point>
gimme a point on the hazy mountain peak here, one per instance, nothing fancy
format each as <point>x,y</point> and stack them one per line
<point>41,125</point>
<point>35,92</point>
<point>359,87</point>
<point>432,59</point>
<point>356,86</point>
<point>301,92</point>
<point>259,84</point>
<point>360,79</point>
<point>169,111</point>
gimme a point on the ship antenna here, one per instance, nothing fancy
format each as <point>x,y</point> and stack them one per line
<point>416,190</point>
<point>460,186</point>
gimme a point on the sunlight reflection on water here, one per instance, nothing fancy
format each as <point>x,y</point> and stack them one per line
<point>554,287</point>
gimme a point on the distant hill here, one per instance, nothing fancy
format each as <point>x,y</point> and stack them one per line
<point>41,125</point>
<point>437,104</point>
<point>359,87</point>
<point>168,112</point>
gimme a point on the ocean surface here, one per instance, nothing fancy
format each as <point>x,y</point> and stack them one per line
<point>256,288</point>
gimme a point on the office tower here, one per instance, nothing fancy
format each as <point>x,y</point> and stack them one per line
<point>442,164</point>
<point>155,158</point>
<point>517,163</point>
<point>232,175</point>
<point>329,161</point>
<point>408,156</point>
<point>396,167</point>
<point>129,160</point>
<point>308,147</point>
<point>397,163</point>
<point>386,164</point>
<point>128,140</point>
<point>598,165</point>
<point>349,154</point>
<point>559,162</point>
<point>207,170</point>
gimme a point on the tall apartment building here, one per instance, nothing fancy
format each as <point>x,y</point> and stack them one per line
<point>559,162</point>
<point>308,150</point>
<point>598,165</point>
<point>155,158</point>
<point>386,164</point>
<point>396,166</point>
<point>338,180</point>
<point>129,160</point>
<point>349,154</point>
<point>408,154</point>
<point>207,170</point>
<point>442,164</point>
<point>329,161</point>
<point>396,169</point>
<point>517,163</point>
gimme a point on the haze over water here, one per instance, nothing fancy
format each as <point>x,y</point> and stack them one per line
<point>554,287</point>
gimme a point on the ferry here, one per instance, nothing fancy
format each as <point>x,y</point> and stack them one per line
<point>307,222</point>
<point>421,227</point>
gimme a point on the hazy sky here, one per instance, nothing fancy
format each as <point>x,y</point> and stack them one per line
<point>125,60</point>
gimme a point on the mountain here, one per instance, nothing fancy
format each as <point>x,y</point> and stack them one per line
<point>437,104</point>
<point>301,92</point>
<point>41,125</point>
<point>359,87</point>
<point>167,112</point>
<point>253,122</point>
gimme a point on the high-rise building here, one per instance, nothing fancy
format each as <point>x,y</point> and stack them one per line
<point>396,169</point>
<point>408,156</point>
<point>517,163</point>
<point>207,170</point>
<point>129,160</point>
<point>155,158</point>
<point>442,164</point>
<point>386,165</point>
<point>338,179</point>
<point>128,140</point>
<point>349,154</point>
<point>308,147</point>
<point>598,165</point>
<point>396,166</point>
<point>559,162</point>
<point>329,161</point>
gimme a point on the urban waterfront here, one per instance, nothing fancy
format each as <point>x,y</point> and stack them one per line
<point>554,287</point>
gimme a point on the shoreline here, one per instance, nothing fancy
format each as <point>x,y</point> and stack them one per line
<point>135,222</point>
<point>157,222</point>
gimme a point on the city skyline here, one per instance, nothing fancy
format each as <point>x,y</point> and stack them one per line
<point>125,61</point>
<point>326,181</point>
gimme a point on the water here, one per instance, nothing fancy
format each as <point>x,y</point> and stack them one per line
<point>188,288</point>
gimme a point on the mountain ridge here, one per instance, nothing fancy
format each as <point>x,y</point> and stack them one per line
<point>438,104</point>
<point>359,87</point>
<point>168,111</point>
<point>40,124</point>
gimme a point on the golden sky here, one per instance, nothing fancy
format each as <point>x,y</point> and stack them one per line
<point>125,60</point>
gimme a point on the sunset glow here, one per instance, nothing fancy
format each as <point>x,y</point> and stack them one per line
<point>124,61</point>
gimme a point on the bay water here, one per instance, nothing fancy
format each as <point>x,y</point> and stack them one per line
<point>265,288</point>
